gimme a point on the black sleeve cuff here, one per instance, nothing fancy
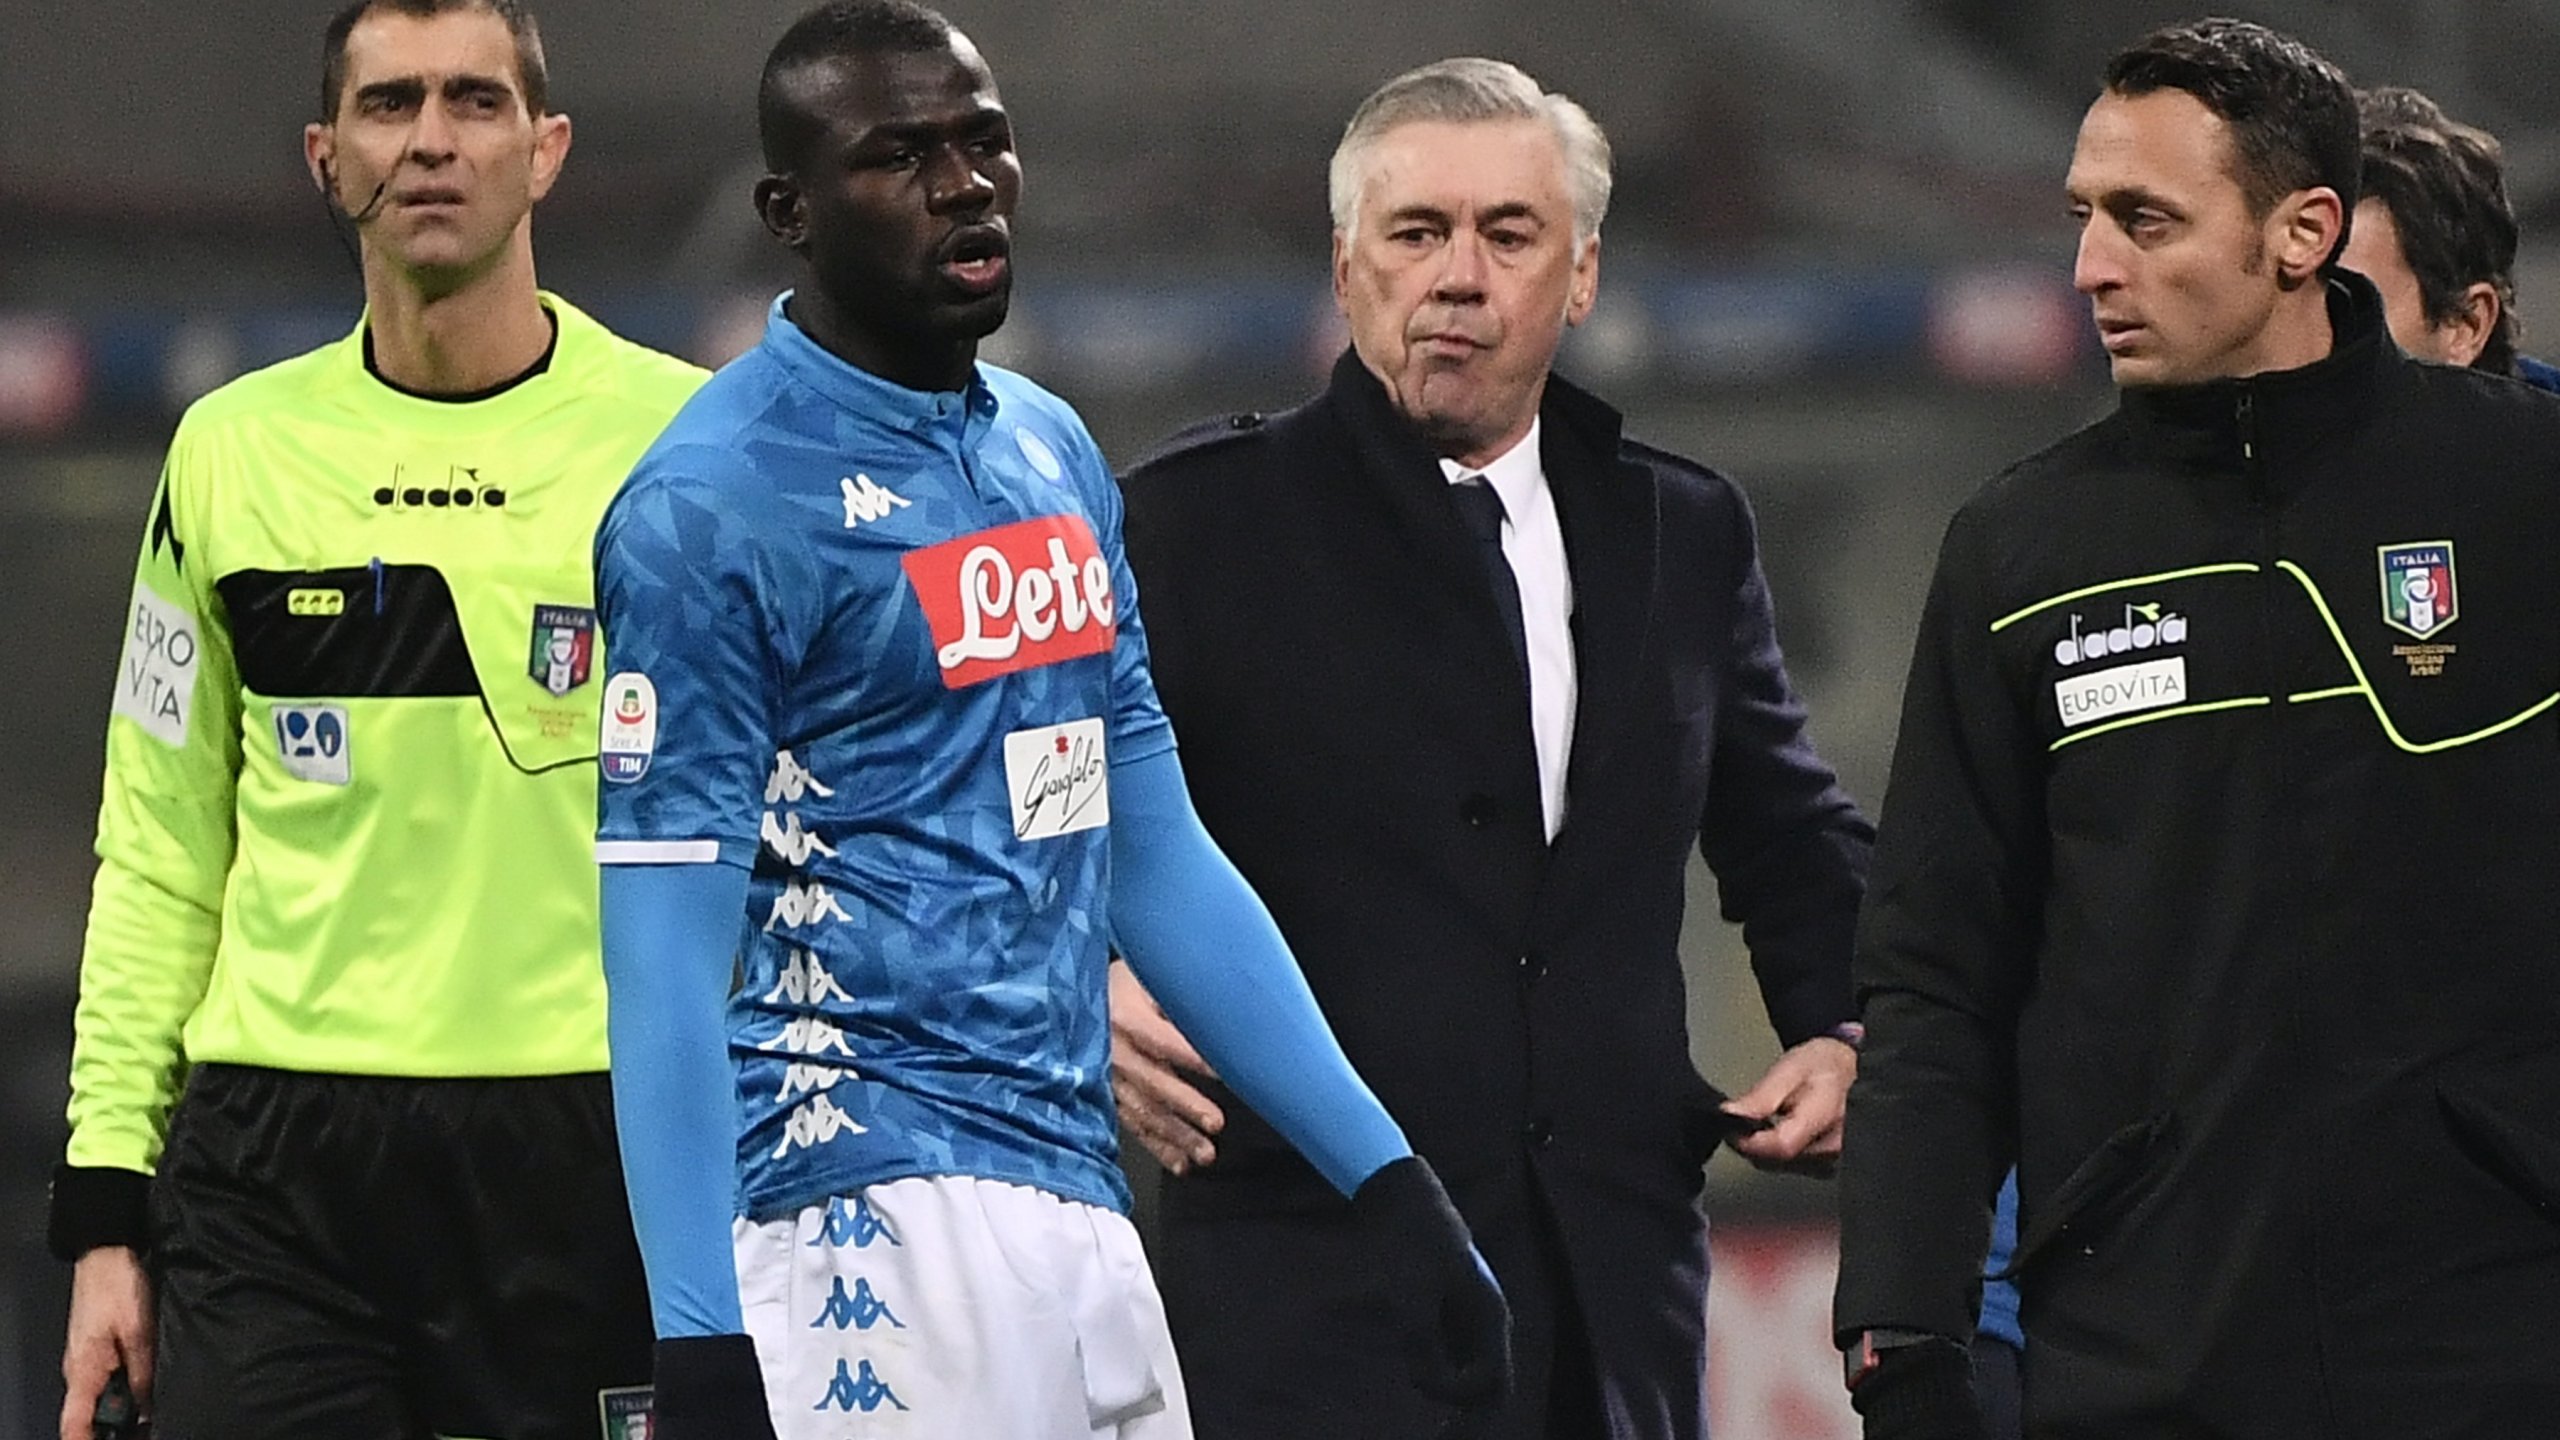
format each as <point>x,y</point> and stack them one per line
<point>97,1205</point>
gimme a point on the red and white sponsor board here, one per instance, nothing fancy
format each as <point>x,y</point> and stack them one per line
<point>1772,1372</point>
<point>1015,597</point>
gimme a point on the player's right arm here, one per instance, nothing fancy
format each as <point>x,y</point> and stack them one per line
<point>165,836</point>
<point>682,590</point>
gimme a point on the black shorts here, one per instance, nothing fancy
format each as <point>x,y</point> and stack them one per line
<point>364,1258</point>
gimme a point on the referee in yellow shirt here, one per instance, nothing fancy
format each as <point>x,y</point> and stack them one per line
<point>342,1160</point>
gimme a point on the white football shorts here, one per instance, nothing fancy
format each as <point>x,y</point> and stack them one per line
<point>953,1308</point>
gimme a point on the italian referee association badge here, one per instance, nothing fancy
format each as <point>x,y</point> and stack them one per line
<point>2418,594</point>
<point>564,647</point>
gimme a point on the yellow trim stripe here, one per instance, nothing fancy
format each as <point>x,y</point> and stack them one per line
<point>2337,636</point>
<point>2332,693</point>
<point>2235,567</point>
<point>2171,713</point>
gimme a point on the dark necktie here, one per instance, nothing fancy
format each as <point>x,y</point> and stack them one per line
<point>1481,509</point>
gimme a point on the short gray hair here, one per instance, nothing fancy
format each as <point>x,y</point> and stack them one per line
<point>1466,91</point>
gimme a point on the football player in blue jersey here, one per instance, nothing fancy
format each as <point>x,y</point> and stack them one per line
<point>885,782</point>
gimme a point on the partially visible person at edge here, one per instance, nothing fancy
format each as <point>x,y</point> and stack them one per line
<point>2436,234</point>
<point>2214,882</point>
<point>342,1159</point>
<point>882,713</point>
<point>1464,677</point>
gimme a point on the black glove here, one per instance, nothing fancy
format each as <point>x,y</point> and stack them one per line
<point>1919,1391</point>
<point>1448,1308</point>
<point>708,1388</point>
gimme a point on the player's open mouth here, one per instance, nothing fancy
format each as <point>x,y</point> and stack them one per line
<point>975,260</point>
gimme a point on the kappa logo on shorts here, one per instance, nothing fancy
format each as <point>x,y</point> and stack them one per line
<point>859,1310</point>
<point>856,1226</point>
<point>1016,597</point>
<point>864,1392</point>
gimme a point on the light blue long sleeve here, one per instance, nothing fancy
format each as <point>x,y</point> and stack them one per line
<point>1201,940</point>
<point>670,942</point>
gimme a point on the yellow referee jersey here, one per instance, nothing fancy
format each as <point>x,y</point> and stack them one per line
<point>350,784</point>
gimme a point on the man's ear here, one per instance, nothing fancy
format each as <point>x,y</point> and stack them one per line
<point>550,151</point>
<point>320,155</point>
<point>782,208</point>
<point>2310,224</point>
<point>1584,291</point>
<point>2467,333</point>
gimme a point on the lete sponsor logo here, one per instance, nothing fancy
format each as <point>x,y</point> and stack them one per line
<point>1015,597</point>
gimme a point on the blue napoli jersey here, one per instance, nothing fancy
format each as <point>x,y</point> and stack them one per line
<point>881,646</point>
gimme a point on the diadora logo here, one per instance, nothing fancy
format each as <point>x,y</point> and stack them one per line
<point>459,487</point>
<point>1016,597</point>
<point>858,1310</point>
<point>2140,627</point>
<point>857,1225</point>
<point>868,499</point>
<point>863,1392</point>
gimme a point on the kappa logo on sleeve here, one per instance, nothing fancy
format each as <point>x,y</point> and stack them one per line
<point>156,679</point>
<point>629,735</point>
<point>1015,597</point>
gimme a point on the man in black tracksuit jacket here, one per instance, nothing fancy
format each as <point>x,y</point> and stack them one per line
<point>2219,882</point>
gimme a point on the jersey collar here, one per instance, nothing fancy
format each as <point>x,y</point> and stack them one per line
<point>865,395</point>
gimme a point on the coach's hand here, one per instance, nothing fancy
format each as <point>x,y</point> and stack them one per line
<point>709,1388</point>
<point>1919,1392</point>
<point>111,1330</point>
<point>1450,1311</point>
<point>1804,1097</point>
<point>1150,1068</point>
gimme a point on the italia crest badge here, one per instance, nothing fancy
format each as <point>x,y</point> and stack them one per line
<point>564,647</point>
<point>2418,594</point>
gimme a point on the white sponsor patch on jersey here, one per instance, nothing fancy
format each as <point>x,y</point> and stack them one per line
<point>1057,779</point>
<point>156,679</point>
<point>630,728</point>
<point>312,742</point>
<point>2122,690</point>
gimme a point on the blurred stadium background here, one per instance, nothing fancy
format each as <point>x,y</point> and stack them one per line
<point>1837,268</point>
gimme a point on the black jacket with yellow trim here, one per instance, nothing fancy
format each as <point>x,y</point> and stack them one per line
<point>2219,885</point>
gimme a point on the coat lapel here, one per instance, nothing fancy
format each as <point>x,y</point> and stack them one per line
<point>1606,506</point>
<point>1403,475</point>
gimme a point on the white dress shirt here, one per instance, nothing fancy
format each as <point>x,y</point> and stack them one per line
<point>1533,541</point>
